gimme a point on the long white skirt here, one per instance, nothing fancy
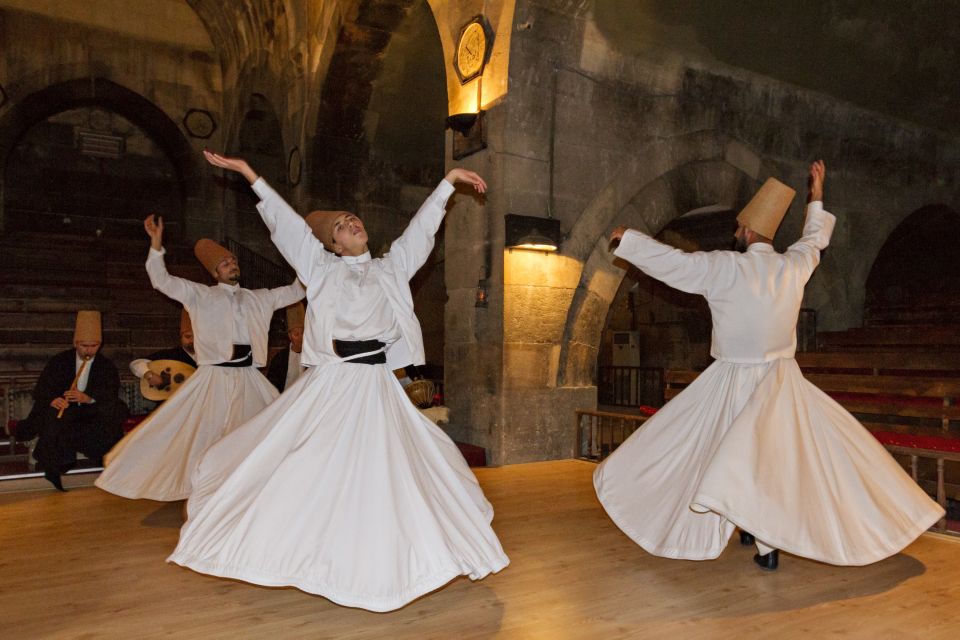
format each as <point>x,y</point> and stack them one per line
<point>157,459</point>
<point>341,488</point>
<point>760,447</point>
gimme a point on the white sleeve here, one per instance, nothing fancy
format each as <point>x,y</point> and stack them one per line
<point>690,272</point>
<point>414,245</point>
<point>180,289</point>
<point>817,229</point>
<point>290,233</point>
<point>139,367</point>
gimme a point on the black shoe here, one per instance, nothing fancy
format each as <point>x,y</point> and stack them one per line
<point>54,478</point>
<point>768,562</point>
<point>747,539</point>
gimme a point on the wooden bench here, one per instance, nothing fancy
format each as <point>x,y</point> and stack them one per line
<point>913,338</point>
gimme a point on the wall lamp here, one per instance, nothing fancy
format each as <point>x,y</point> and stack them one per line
<point>468,133</point>
<point>531,232</point>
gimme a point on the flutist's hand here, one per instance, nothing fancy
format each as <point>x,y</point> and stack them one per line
<point>153,379</point>
<point>59,404</point>
<point>75,395</point>
<point>153,224</point>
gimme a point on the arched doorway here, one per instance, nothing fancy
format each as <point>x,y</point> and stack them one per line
<point>915,278</point>
<point>89,171</point>
<point>379,143</point>
<point>71,115</point>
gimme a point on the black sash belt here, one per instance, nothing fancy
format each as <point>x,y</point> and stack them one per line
<point>242,357</point>
<point>347,348</point>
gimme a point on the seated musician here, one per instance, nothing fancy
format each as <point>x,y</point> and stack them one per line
<point>76,404</point>
<point>285,367</point>
<point>184,353</point>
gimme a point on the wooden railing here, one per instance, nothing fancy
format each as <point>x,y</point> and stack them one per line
<point>599,433</point>
<point>259,272</point>
<point>630,386</point>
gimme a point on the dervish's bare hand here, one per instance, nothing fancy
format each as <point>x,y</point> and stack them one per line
<point>818,173</point>
<point>153,225</point>
<point>232,164</point>
<point>467,177</point>
<point>616,236</point>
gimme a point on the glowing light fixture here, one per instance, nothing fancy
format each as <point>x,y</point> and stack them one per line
<point>531,232</point>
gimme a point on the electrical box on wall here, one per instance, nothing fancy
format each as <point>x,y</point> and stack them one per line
<point>626,349</point>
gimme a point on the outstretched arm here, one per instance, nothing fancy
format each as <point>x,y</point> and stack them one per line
<point>413,246</point>
<point>690,272</point>
<point>288,230</point>
<point>818,226</point>
<point>179,289</point>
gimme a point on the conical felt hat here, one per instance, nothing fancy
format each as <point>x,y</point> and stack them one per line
<point>210,254</point>
<point>295,316</point>
<point>88,327</point>
<point>321,223</point>
<point>766,209</point>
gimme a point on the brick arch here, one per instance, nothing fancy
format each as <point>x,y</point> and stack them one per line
<point>100,92</point>
<point>664,180</point>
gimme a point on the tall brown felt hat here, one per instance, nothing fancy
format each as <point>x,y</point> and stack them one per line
<point>210,254</point>
<point>321,223</point>
<point>185,323</point>
<point>766,209</point>
<point>88,327</point>
<point>295,316</point>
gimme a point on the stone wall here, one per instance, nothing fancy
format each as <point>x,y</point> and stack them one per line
<point>598,136</point>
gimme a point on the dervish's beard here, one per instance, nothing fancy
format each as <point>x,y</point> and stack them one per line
<point>189,348</point>
<point>740,244</point>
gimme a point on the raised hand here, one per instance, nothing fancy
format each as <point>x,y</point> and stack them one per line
<point>232,164</point>
<point>467,177</point>
<point>616,235</point>
<point>818,173</point>
<point>153,225</point>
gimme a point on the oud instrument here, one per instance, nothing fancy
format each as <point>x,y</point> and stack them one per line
<point>76,378</point>
<point>173,374</point>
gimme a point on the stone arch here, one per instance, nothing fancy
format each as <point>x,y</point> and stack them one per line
<point>915,276</point>
<point>109,95</point>
<point>666,179</point>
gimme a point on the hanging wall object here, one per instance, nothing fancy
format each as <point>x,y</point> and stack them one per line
<point>473,49</point>
<point>294,166</point>
<point>199,123</point>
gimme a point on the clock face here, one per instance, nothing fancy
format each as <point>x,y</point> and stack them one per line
<point>471,51</point>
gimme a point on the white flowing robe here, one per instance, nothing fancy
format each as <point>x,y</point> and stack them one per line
<point>157,458</point>
<point>750,442</point>
<point>342,488</point>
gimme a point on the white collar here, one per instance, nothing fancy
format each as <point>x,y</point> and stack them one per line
<point>762,247</point>
<point>360,259</point>
<point>232,288</point>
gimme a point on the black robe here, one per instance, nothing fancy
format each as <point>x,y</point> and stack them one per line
<point>91,429</point>
<point>173,353</point>
<point>277,369</point>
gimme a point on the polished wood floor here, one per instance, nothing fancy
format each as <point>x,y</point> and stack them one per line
<point>88,565</point>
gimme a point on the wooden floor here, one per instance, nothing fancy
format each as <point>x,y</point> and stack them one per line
<point>86,564</point>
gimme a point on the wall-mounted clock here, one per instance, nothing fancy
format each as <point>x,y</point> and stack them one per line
<point>473,48</point>
<point>199,123</point>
